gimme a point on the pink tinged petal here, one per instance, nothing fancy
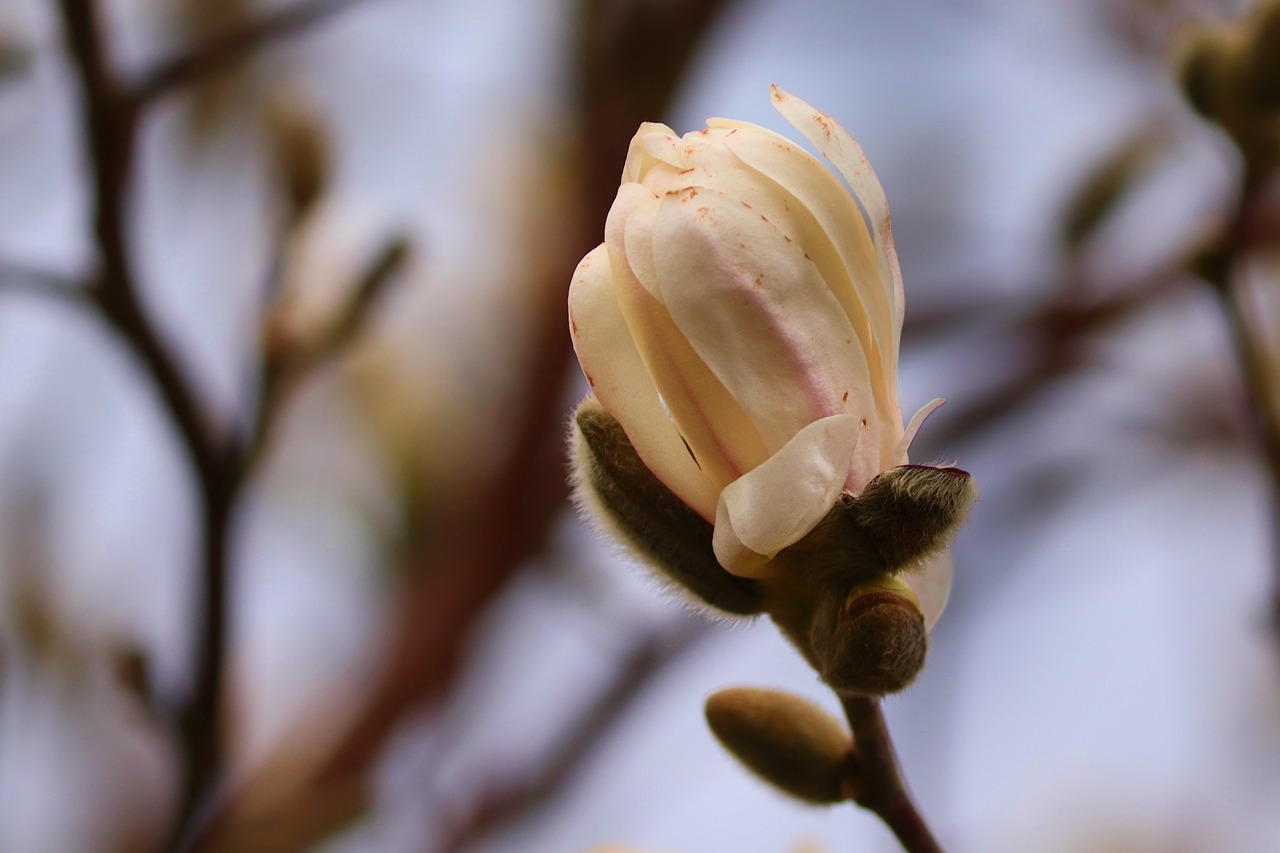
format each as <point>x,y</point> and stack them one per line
<point>620,381</point>
<point>828,225</point>
<point>832,231</point>
<point>899,455</point>
<point>716,167</point>
<point>841,149</point>
<point>721,437</point>
<point>932,585</point>
<point>761,316</point>
<point>776,504</point>
<point>639,157</point>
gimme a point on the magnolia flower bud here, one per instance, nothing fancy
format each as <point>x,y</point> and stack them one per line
<point>741,323</point>
<point>300,145</point>
<point>785,740</point>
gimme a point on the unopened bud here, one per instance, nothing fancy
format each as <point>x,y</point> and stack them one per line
<point>871,641</point>
<point>301,149</point>
<point>788,741</point>
<point>1204,60</point>
<point>1262,71</point>
<point>1231,75</point>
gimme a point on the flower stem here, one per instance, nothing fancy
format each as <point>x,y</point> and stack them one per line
<point>876,779</point>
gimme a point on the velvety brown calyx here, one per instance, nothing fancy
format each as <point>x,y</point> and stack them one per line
<point>660,527</point>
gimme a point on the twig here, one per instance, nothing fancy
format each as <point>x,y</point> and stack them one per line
<point>111,116</point>
<point>1054,331</point>
<point>111,120</point>
<point>1258,371</point>
<point>876,780</point>
<point>284,371</point>
<point>20,278</point>
<point>509,802</point>
<point>225,49</point>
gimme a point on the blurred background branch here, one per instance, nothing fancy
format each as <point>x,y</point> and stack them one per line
<point>219,51</point>
<point>408,421</point>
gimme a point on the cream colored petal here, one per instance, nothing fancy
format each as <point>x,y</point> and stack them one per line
<point>639,157</point>
<point>719,123</point>
<point>833,233</point>
<point>776,504</point>
<point>665,147</point>
<point>736,557</point>
<point>758,312</point>
<point>715,166</point>
<point>932,585</point>
<point>618,378</point>
<point>841,149</point>
<point>722,438</point>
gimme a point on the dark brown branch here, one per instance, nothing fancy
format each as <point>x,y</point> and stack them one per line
<point>221,51</point>
<point>876,780</point>
<point>111,124</point>
<point>466,571</point>
<point>510,801</point>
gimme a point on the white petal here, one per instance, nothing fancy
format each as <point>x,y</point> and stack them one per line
<point>899,456</point>
<point>840,148</point>
<point>932,584</point>
<point>758,312</point>
<point>776,504</point>
<point>722,438</point>
<point>619,379</point>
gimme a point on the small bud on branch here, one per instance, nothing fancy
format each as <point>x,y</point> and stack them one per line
<point>788,741</point>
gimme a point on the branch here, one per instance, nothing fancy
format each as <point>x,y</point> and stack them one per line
<point>20,278</point>
<point>223,50</point>
<point>284,372</point>
<point>493,535</point>
<point>111,122</point>
<point>1055,332</point>
<point>876,780</point>
<point>1257,369</point>
<point>111,126</point>
<point>510,801</point>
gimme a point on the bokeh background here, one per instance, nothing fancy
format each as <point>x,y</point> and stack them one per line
<point>414,602</point>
